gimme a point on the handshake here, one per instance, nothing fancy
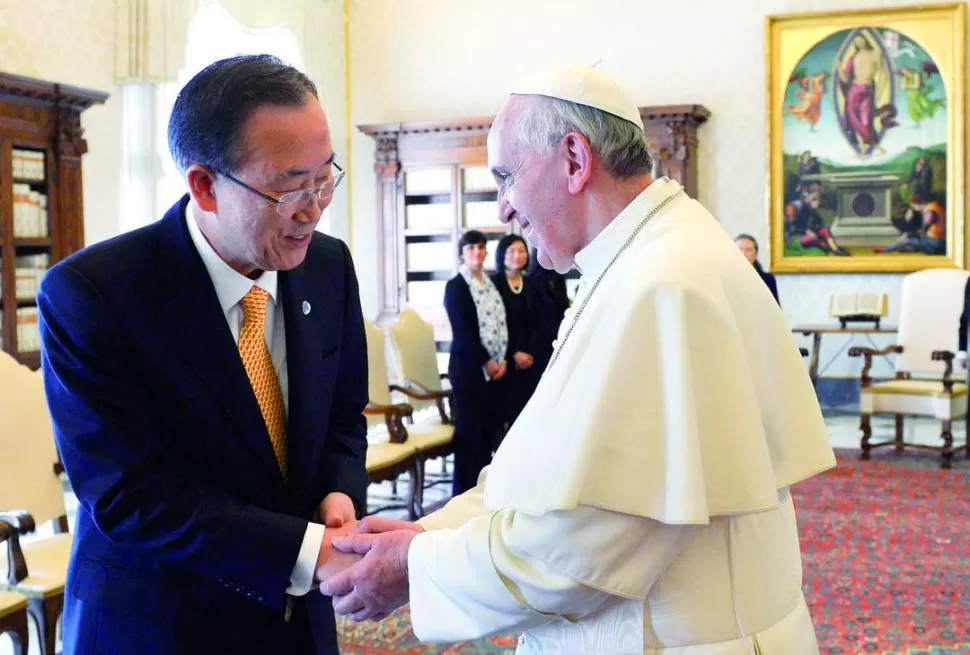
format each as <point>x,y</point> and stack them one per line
<point>364,566</point>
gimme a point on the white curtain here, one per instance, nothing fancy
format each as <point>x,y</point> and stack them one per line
<point>307,34</point>
<point>150,39</point>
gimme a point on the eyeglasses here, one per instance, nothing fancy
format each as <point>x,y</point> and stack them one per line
<point>294,201</point>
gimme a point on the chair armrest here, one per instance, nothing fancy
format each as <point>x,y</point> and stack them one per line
<point>868,353</point>
<point>415,390</point>
<point>946,357</point>
<point>16,563</point>
<point>20,520</point>
<point>420,392</point>
<point>394,416</point>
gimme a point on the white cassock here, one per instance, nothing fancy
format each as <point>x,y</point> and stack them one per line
<point>640,503</point>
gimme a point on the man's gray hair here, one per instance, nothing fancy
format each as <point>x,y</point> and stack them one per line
<point>619,144</point>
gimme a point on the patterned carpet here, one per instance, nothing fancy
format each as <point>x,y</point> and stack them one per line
<point>886,560</point>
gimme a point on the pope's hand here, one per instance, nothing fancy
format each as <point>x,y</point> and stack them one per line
<point>378,584</point>
<point>379,524</point>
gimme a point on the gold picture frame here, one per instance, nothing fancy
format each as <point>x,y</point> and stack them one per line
<point>867,139</point>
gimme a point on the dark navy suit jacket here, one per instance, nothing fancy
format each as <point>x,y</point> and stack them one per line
<point>187,532</point>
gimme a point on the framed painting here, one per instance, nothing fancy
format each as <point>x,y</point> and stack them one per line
<point>867,137</point>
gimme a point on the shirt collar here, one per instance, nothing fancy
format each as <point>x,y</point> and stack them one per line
<point>230,284</point>
<point>596,256</point>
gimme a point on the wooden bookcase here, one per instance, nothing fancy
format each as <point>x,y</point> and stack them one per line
<point>41,203</point>
<point>434,183</point>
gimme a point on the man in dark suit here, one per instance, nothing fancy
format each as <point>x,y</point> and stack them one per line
<point>206,376</point>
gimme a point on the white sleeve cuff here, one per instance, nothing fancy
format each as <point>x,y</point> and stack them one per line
<point>302,579</point>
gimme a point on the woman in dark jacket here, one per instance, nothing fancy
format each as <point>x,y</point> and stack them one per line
<point>749,247</point>
<point>511,260</point>
<point>477,363</point>
<point>549,304</point>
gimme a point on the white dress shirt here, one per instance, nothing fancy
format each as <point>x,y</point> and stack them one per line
<point>231,286</point>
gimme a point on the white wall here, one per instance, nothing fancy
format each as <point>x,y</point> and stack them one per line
<point>444,59</point>
<point>72,42</point>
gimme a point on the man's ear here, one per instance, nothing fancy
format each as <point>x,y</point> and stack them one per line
<point>201,181</point>
<point>579,161</point>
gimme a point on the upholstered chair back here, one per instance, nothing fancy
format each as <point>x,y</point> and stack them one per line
<point>415,352</point>
<point>929,318</point>
<point>377,384</point>
<point>27,450</point>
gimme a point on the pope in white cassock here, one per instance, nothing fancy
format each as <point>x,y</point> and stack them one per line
<point>640,503</point>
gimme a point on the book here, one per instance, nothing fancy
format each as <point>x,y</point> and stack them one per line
<point>858,306</point>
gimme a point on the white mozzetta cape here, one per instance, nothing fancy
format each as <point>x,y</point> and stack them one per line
<point>680,393</point>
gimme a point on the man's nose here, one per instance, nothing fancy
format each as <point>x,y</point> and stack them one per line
<point>505,210</point>
<point>311,212</point>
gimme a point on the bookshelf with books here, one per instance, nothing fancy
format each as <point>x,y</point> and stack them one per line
<point>41,221</point>
<point>433,183</point>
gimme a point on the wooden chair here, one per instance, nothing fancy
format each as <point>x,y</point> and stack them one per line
<point>389,450</point>
<point>932,301</point>
<point>13,607</point>
<point>31,495</point>
<point>417,364</point>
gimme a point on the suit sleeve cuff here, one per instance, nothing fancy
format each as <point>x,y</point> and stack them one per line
<point>302,579</point>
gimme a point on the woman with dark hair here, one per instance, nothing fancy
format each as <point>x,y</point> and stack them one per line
<point>511,259</point>
<point>478,344</point>
<point>749,247</point>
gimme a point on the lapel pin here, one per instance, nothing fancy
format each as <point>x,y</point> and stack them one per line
<point>306,308</point>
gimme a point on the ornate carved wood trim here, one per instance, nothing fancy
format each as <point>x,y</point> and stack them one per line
<point>14,87</point>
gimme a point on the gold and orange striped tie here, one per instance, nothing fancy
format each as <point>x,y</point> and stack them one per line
<point>259,367</point>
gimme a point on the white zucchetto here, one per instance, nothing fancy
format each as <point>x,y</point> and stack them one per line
<point>583,85</point>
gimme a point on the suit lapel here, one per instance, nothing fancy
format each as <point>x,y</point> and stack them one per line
<point>192,319</point>
<point>312,325</point>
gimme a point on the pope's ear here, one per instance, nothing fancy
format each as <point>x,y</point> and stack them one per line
<point>201,182</point>
<point>578,158</point>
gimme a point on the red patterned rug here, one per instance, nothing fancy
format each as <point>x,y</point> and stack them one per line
<point>886,559</point>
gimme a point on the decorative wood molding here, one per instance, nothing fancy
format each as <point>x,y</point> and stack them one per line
<point>13,87</point>
<point>386,164</point>
<point>70,134</point>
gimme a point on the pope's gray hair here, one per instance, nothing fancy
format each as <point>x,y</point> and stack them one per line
<point>619,144</point>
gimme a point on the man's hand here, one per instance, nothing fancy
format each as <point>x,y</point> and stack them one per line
<point>378,584</point>
<point>379,524</point>
<point>337,509</point>
<point>522,360</point>
<point>334,563</point>
<point>327,552</point>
